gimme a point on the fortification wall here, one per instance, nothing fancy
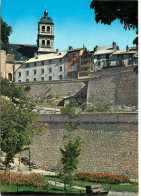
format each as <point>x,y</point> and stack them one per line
<point>110,143</point>
<point>58,89</point>
<point>114,86</point>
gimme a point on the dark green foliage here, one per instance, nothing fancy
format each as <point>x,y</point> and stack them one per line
<point>6,31</point>
<point>126,11</point>
<point>108,11</point>
<point>17,119</point>
<point>69,110</point>
<point>72,149</point>
<point>27,88</point>
<point>15,127</point>
<point>72,145</point>
<point>10,90</point>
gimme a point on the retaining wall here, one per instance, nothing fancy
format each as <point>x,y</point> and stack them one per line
<point>110,143</point>
<point>114,86</point>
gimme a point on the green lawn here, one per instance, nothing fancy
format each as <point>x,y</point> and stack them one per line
<point>51,189</point>
<point>132,187</point>
<point>129,187</point>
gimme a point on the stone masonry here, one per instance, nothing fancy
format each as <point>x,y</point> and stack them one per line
<point>110,143</point>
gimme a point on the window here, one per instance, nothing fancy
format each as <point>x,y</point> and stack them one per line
<point>50,77</point>
<point>130,55</point>
<point>34,72</point>
<point>42,78</point>
<point>9,76</point>
<point>19,80</point>
<point>42,63</point>
<point>48,29</point>
<point>43,42</point>
<point>19,74</point>
<point>27,80</point>
<point>50,69</point>
<point>42,71</point>
<point>60,60</point>
<point>75,54</point>
<point>70,54</point>
<point>27,65</point>
<point>60,68</point>
<point>120,55</point>
<point>35,64</point>
<point>60,77</point>
<point>27,73</point>
<point>98,57</point>
<point>34,79</point>
<point>73,62</point>
<point>50,61</point>
<point>43,28</point>
<point>48,43</point>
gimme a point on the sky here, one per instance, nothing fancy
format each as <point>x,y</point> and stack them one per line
<point>74,24</point>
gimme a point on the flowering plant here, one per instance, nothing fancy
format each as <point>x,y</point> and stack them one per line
<point>101,178</point>
<point>30,180</point>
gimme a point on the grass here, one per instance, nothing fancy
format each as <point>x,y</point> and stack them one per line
<point>51,189</point>
<point>129,187</point>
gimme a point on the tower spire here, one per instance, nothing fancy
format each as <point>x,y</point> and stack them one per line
<point>45,13</point>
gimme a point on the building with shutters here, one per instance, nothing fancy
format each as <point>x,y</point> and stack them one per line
<point>45,67</point>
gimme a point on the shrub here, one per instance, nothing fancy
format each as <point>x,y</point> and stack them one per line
<point>30,180</point>
<point>27,88</point>
<point>101,178</point>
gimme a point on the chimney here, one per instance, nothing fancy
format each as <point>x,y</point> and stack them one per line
<point>114,46</point>
<point>95,48</point>
<point>57,50</point>
<point>127,48</point>
<point>70,48</point>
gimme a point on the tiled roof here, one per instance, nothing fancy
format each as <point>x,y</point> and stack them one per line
<point>22,52</point>
<point>44,57</point>
<point>124,52</point>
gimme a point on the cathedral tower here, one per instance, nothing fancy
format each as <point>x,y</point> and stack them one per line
<point>45,39</point>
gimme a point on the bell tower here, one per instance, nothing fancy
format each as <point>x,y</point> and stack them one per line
<point>45,39</point>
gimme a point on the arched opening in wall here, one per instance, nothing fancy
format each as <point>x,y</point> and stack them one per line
<point>48,29</point>
<point>43,43</point>
<point>43,28</point>
<point>9,76</point>
<point>48,43</point>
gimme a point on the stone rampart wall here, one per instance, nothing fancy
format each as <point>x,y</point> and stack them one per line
<point>110,143</point>
<point>58,89</point>
<point>115,86</point>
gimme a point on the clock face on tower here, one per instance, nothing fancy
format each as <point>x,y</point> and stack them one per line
<point>45,34</point>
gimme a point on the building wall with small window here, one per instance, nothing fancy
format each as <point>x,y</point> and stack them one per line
<point>53,69</point>
<point>115,59</point>
<point>73,63</point>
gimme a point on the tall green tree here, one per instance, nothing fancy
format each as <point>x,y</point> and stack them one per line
<point>16,129</point>
<point>6,31</point>
<point>125,11</point>
<point>72,145</point>
<point>18,121</point>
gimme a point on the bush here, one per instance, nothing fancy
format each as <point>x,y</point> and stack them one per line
<point>101,178</point>
<point>27,88</point>
<point>30,180</point>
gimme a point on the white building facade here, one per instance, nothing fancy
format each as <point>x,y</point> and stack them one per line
<point>45,67</point>
<point>111,56</point>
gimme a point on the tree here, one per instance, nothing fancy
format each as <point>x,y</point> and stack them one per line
<point>72,145</point>
<point>6,31</point>
<point>11,90</point>
<point>15,128</point>
<point>18,121</point>
<point>108,11</point>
